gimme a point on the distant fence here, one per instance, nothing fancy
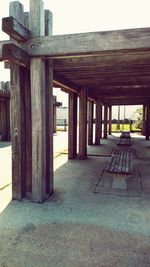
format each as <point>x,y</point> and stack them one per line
<point>62,123</point>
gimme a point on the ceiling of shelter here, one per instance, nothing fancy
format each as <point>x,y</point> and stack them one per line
<point>118,77</point>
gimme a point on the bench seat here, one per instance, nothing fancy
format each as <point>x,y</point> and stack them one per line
<point>124,142</point>
<point>125,135</point>
<point>121,162</point>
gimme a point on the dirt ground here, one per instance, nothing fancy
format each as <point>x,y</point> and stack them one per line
<point>77,227</point>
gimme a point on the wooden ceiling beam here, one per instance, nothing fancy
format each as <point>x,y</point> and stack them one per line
<point>15,29</point>
<point>65,84</point>
<point>62,46</point>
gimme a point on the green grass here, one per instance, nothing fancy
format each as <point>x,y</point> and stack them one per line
<point>124,127</point>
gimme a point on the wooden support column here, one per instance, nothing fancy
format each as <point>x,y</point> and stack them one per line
<point>72,129</point>
<point>90,122</point>
<point>49,110</point>
<point>98,122</point>
<point>8,138</point>
<point>54,115</point>
<point>144,119</point>
<point>147,128</point>
<point>105,120</point>
<point>38,100</point>
<point>110,119</point>
<point>18,135</point>
<point>3,119</point>
<point>83,124</point>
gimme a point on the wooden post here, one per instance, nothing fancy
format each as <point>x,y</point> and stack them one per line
<point>3,119</point>
<point>147,126</point>
<point>18,119</point>
<point>38,97</point>
<point>144,118</point>
<point>72,129</point>
<point>98,123</point>
<point>105,120</point>
<point>83,123</point>
<point>110,119</point>
<point>49,110</point>
<point>90,122</point>
<point>54,115</point>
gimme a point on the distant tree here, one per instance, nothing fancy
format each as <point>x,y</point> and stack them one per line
<point>138,118</point>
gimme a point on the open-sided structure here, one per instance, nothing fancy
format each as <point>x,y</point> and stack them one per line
<point>108,68</point>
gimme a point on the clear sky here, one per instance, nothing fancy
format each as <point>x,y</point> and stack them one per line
<point>71,16</point>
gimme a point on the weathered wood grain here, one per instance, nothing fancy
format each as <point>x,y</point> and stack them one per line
<point>105,121</point>
<point>18,119</point>
<point>89,43</point>
<point>90,122</point>
<point>15,29</point>
<point>64,83</point>
<point>13,53</point>
<point>38,111</point>
<point>83,124</point>
<point>98,122</point>
<point>72,126</point>
<point>49,110</point>
<point>110,118</point>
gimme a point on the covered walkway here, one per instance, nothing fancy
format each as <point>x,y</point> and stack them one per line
<point>77,227</point>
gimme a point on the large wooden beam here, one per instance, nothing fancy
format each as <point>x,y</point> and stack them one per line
<point>88,43</point>
<point>110,118</point>
<point>49,110</point>
<point>64,83</point>
<point>105,120</point>
<point>15,29</point>
<point>83,124</point>
<point>72,129</point>
<point>90,122</point>
<point>98,122</point>
<point>13,53</point>
<point>147,126</point>
<point>144,119</point>
<point>18,128</point>
<point>38,100</point>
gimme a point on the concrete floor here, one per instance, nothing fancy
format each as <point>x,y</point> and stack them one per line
<point>77,227</point>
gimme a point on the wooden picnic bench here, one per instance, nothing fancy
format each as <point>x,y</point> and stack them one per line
<point>124,142</point>
<point>125,135</point>
<point>120,167</point>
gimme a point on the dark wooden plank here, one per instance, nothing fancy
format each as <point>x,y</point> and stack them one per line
<point>15,29</point>
<point>88,43</point>
<point>38,104</point>
<point>62,82</point>
<point>49,109</point>
<point>98,122</point>
<point>18,132</point>
<point>18,118</point>
<point>28,131</point>
<point>110,119</point>
<point>105,120</point>
<point>13,53</point>
<point>72,126</point>
<point>83,124</point>
<point>90,122</point>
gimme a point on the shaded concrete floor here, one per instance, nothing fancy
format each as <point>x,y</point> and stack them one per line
<point>77,227</point>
